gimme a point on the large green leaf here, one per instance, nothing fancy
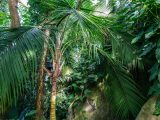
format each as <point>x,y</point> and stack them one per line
<point>20,50</point>
<point>123,93</point>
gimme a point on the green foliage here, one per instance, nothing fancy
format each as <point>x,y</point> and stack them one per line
<point>123,93</point>
<point>154,72</point>
<point>76,86</point>
<point>157,107</point>
<point>4,14</point>
<point>141,19</point>
<point>82,79</point>
<point>20,50</point>
<point>24,15</point>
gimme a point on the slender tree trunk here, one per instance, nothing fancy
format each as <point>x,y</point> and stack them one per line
<point>40,92</point>
<point>56,66</point>
<point>13,8</point>
<point>54,89</point>
<point>53,100</point>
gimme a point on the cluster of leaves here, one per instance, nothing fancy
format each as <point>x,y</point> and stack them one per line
<point>18,61</point>
<point>4,14</point>
<point>83,78</point>
<point>5,17</point>
<point>24,14</point>
<point>141,19</point>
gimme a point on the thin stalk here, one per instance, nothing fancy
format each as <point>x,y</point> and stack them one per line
<point>40,92</point>
<point>56,66</point>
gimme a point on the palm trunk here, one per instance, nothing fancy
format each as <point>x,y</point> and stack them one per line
<point>56,66</point>
<point>40,92</point>
<point>13,8</point>
<point>53,100</point>
<point>54,87</point>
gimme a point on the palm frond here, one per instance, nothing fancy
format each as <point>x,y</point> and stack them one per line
<point>87,29</point>
<point>123,93</point>
<point>121,46</point>
<point>20,50</point>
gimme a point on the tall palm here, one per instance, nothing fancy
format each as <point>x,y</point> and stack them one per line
<point>16,37</point>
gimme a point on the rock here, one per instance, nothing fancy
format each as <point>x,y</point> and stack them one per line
<point>147,110</point>
<point>96,107</point>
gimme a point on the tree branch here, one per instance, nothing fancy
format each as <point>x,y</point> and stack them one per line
<point>49,73</point>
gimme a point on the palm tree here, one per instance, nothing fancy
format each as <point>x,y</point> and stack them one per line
<point>20,45</point>
<point>74,23</point>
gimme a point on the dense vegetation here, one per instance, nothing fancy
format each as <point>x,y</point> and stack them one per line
<point>79,59</point>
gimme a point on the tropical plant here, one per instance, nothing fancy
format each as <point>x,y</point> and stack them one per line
<point>142,21</point>
<point>21,48</point>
